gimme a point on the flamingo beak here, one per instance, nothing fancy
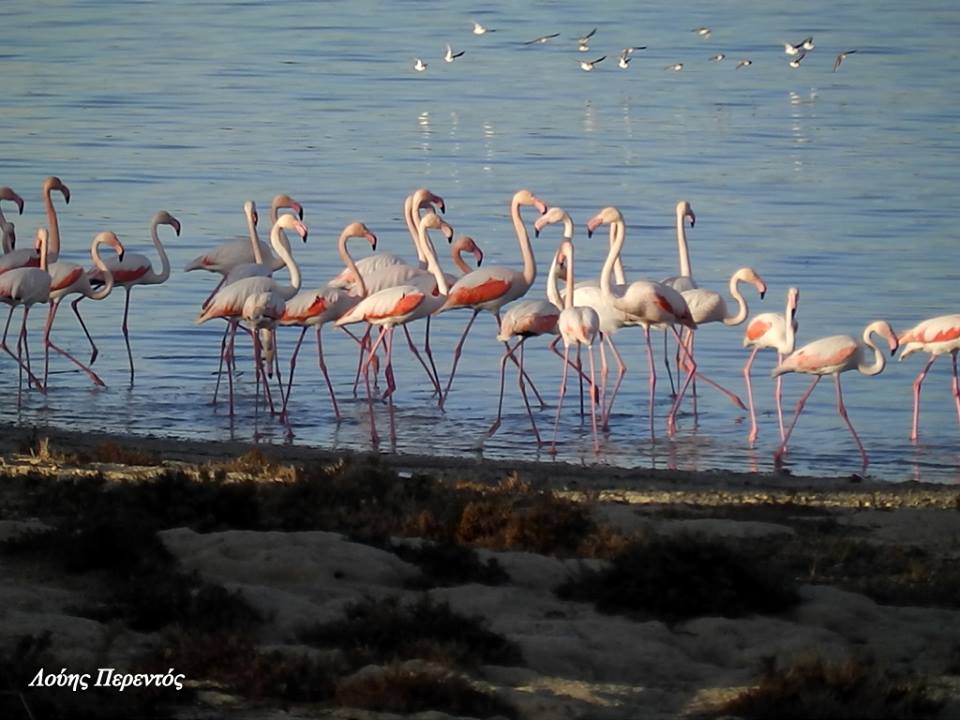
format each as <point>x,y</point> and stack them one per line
<point>440,204</point>
<point>66,193</point>
<point>120,253</point>
<point>373,240</point>
<point>478,254</point>
<point>256,217</point>
<point>536,231</point>
<point>176,225</point>
<point>19,201</point>
<point>447,232</point>
<point>693,219</point>
<point>299,208</point>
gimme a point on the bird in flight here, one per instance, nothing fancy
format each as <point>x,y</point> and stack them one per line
<point>795,63</point>
<point>676,67</point>
<point>805,44</point>
<point>419,65</point>
<point>479,29</point>
<point>746,62</point>
<point>587,65</point>
<point>718,57</point>
<point>542,39</point>
<point>703,32</point>
<point>450,55</point>
<point>840,58</point>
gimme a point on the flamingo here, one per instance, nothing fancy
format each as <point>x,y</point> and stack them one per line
<point>262,293</point>
<point>26,286</point>
<point>684,281</point>
<point>6,227</point>
<point>644,303</point>
<point>68,278</point>
<point>136,269</point>
<point>314,308</point>
<point>526,319</point>
<point>493,287</point>
<point>399,305</point>
<point>27,257</point>
<point>832,356</point>
<point>708,306</point>
<point>936,336</point>
<point>578,325</point>
<point>770,330</point>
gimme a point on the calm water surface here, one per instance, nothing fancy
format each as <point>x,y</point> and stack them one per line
<point>842,184</point>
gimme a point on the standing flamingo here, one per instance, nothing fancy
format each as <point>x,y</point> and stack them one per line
<point>314,308</point>
<point>70,279</point>
<point>136,269</point>
<point>399,305</point>
<point>937,336</point>
<point>493,287</point>
<point>832,356</point>
<point>684,281</point>
<point>770,330</point>
<point>263,295</point>
<point>578,325</point>
<point>26,286</point>
<point>27,257</point>
<point>708,306</point>
<point>644,303</point>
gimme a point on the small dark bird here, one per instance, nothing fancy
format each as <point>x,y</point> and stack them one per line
<point>840,58</point>
<point>587,65</point>
<point>746,62</point>
<point>542,39</point>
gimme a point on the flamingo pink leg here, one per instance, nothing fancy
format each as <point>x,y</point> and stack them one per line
<point>3,346</point>
<point>523,391</point>
<point>748,366</point>
<point>457,351</point>
<point>734,398</point>
<point>778,454</point>
<point>652,380</point>
<point>843,413</point>
<point>779,397</point>
<point>666,361</point>
<point>413,349</point>
<point>621,371</point>
<point>374,437</point>
<point>391,385</point>
<point>503,369</point>
<point>364,344</point>
<point>580,376</point>
<point>433,366</point>
<point>593,398</point>
<point>563,391</point>
<point>326,376</point>
<point>915,432</point>
<point>293,367</point>
<point>48,343</point>
<point>691,364</point>
<point>94,352</point>
<point>126,334</point>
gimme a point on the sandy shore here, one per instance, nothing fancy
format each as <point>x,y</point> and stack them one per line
<point>577,662</point>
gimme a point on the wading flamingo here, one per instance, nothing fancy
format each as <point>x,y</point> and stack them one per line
<point>770,330</point>
<point>399,305</point>
<point>937,336</point>
<point>493,287</point>
<point>263,294</point>
<point>68,278</point>
<point>25,286</point>
<point>136,269</point>
<point>578,325</point>
<point>644,303</point>
<point>27,257</point>
<point>314,308</point>
<point>832,356</point>
<point>684,281</point>
<point>708,306</point>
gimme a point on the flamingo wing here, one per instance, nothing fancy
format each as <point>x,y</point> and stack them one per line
<point>942,329</point>
<point>823,357</point>
<point>388,306</point>
<point>484,286</point>
<point>705,305</point>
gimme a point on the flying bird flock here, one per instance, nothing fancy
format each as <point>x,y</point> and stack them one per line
<point>377,295</point>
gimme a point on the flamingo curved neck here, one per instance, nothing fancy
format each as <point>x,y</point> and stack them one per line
<point>348,261</point>
<point>53,226</point>
<point>619,276</point>
<point>44,240</point>
<point>616,245</point>
<point>568,251</point>
<point>254,238</point>
<point>164,260</point>
<point>526,250</point>
<point>879,361</point>
<point>743,309</point>
<point>789,329</point>
<point>431,256</point>
<point>411,214</point>
<point>553,290</point>
<point>282,247</point>
<point>98,262</point>
<point>457,254</point>
<point>682,248</point>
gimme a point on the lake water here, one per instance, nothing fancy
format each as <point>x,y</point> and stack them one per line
<point>841,184</point>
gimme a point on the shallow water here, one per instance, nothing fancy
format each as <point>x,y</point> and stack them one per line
<point>841,184</point>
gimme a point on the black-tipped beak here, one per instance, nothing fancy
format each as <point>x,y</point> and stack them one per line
<point>20,205</point>
<point>442,206</point>
<point>300,212</point>
<point>121,255</point>
<point>66,196</point>
<point>536,232</point>
<point>305,237</point>
<point>176,228</point>
<point>589,233</point>
<point>693,222</point>
<point>762,293</point>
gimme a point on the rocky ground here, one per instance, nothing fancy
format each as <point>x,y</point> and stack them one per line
<point>298,583</point>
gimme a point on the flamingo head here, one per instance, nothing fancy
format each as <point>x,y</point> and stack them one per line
<point>165,218</point>
<point>111,239</point>
<point>750,275</point>
<point>604,217</point>
<point>250,211</point>
<point>885,330</point>
<point>291,222</point>
<point>285,201</point>
<point>7,193</point>
<point>54,183</point>
<point>551,216</point>
<point>685,210</point>
<point>423,198</point>
<point>466,243</point>
<point>793,295</point>
<point>525,197</point>
<point>359,230</point>
<point>432,221</point>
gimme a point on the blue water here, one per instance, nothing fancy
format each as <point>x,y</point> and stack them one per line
<point>842,184</point>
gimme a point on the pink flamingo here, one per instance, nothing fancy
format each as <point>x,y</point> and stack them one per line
<point>937,336</point>
<point>526,319</point>
<point>770,330</point>
<point>69,278</point>
<point>27,257</point>
<point>314,308</point>
<point>708,306</point>
<point>399,305</point>
<point>578,325</point>
<point>26,286</point>
<point>832,356</point>
<point>493,287</point>
<point>136,269</point>
<point>684,281</point>
<point>644,303</point>
<point>6,227</point>
<point>263,295</point>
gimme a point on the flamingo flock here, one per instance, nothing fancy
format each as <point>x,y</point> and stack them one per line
<point>385,292</point>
